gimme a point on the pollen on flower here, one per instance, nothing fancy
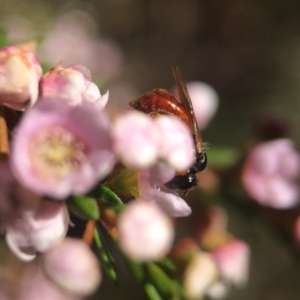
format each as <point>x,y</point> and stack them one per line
<point>57,152</point>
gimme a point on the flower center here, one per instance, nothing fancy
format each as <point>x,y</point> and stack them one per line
<point>57,153</point>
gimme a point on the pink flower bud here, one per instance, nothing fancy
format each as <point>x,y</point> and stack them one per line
<point>135,139</point>
<point>269,172</point>
<point>20,75</point>
<point>176,143</point>
<point>199,275</point>
<point>73,267</point>
<point>72,84</point>
<point>233,262</point>
<point>145,233</point>
<point>67,153</point>
<point>38,231</point>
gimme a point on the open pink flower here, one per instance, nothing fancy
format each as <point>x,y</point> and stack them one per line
<point>269,173</point>
<point>135,139</point>
<point>72,84</point>
<point>38,230</point>
<point>145,233</point>
<point>20,75</point>
<point>60,150</point>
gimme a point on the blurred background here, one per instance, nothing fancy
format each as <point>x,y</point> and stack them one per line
<point>247,50</point>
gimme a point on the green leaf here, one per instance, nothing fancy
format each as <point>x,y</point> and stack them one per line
<point>105,257</point>
<point>84,207</point>
<point>168,267</point>
<point>108,197</point>
<point>151,292</point>
<point>125,183</point>
<point>222,156</point>
<point>162,283</point>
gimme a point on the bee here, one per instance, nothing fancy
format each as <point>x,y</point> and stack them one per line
<point>161,102</point>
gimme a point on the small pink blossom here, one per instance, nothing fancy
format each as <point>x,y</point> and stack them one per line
<point>205,101</point>
<point>72,84</point>
<point>73,267</point>
<point>176,142</point>
<point>233,262</point>
<point>135,139</point>
<point>150,190</point>
<point>20,75</point>
<point>141,141</point>
<point>145,233</point>
<point>269,174</point>
<point>38,231</point>
<point>60,150</point>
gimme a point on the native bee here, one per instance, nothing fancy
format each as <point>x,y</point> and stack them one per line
<point>160,101</point>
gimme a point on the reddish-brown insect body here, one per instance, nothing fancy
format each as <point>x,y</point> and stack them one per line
<point>159,102</point>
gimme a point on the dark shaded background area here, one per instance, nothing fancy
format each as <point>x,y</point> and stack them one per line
<point>248,50</point>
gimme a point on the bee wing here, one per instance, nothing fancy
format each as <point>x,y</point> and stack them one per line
<point>187,103</point>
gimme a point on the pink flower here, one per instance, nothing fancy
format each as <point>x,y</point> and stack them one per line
<point>205,101</point>
<point>72,84</point>
<point>60,150</point>
<point>199,275</point>
<point>233,262</point>
<point>20,75</point>
<point>135,139</point>
<point>145,233</point>
<point>269,174</point>
<point>73,267</point>
<point>176,142</point>
<point>38,231</point>
<point>141,141</point>
<point>150,182</point>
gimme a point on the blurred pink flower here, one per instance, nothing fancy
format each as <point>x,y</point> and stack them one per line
<point>77,30</point>
<point>176,143</point>
<point>38,231</point>
<point>135,139</point>
<point>232,260</point>
<point>269,173</point>
<point>60,150</point>
<point>205,101</point>
<point>150,189</point>
<point>20,75</point>
<point>145,233</point>
<point>141,141</point>
<point>72,84</point>
<point>73,267</point>
<point>199,275</point>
